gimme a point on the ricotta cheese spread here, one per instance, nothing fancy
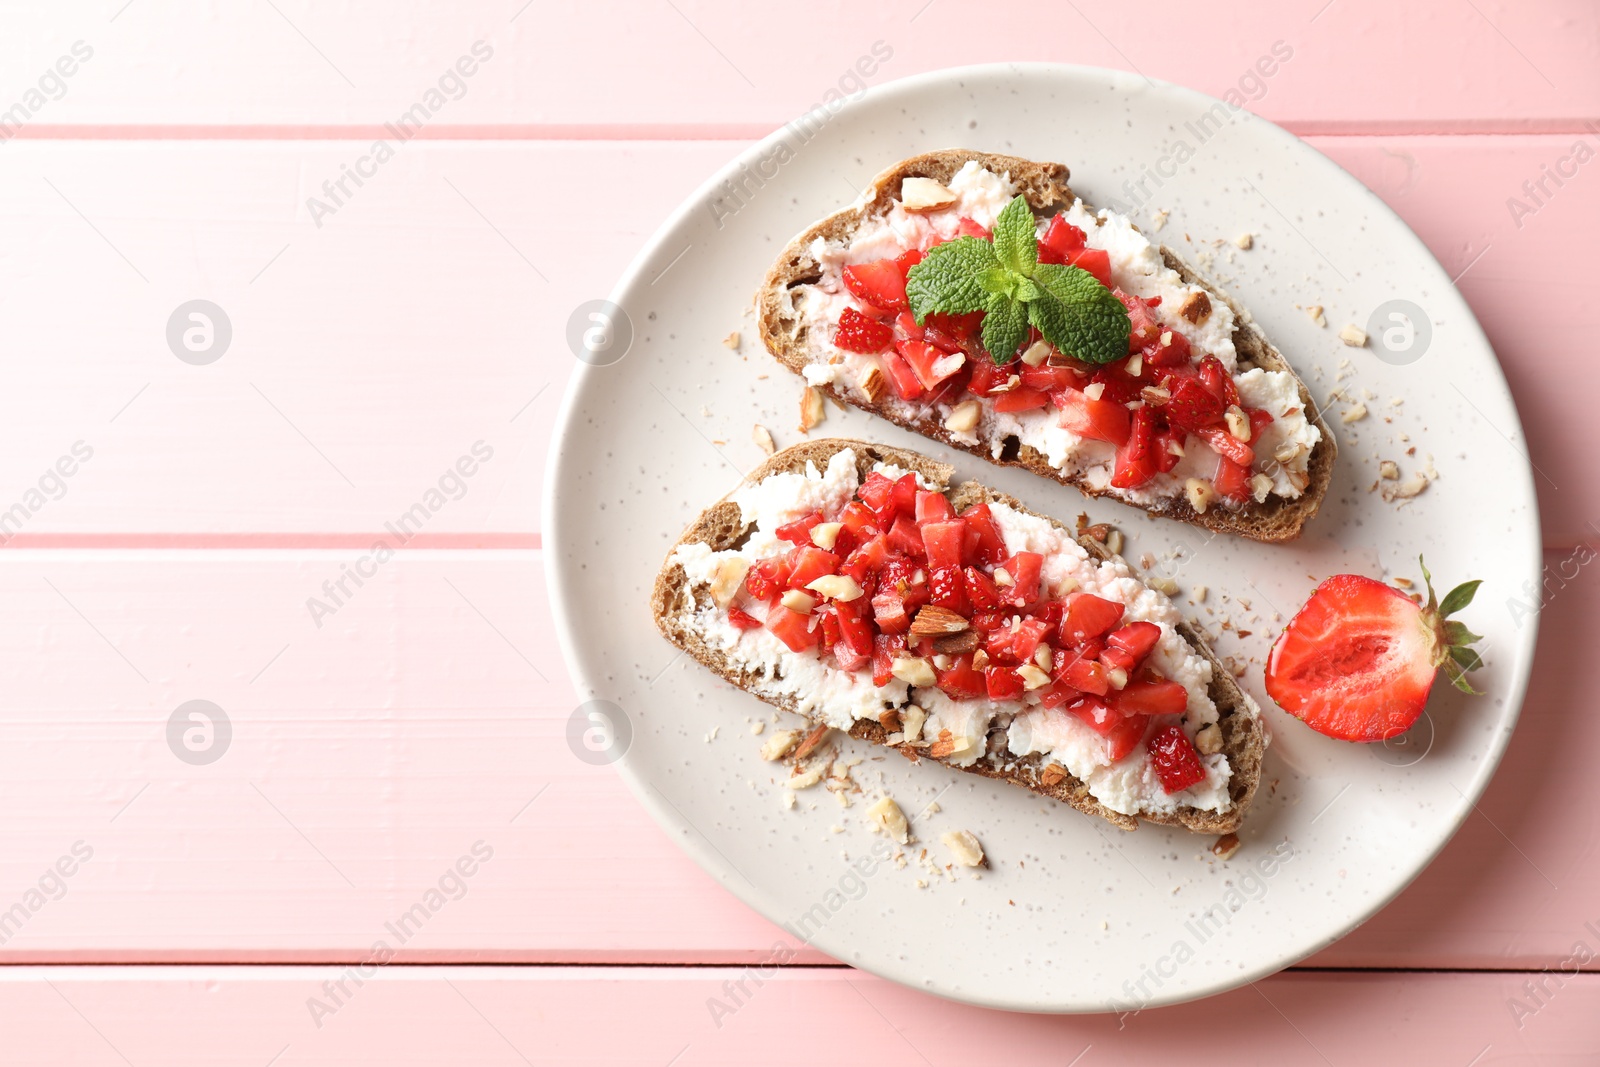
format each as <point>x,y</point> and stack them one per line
<point>823,692</point>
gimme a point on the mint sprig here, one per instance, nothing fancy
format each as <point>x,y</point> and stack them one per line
<point>1005,280</point>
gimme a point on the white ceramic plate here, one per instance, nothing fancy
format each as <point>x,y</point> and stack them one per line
<point>1074,915</point>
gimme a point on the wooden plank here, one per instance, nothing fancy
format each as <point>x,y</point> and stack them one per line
<point>690,65</point>
<point>372,353</point>
<point>430,711</point>
<point>222,1017</point>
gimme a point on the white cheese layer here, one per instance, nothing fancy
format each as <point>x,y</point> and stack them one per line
<point>1136,267</point>
<point>839,698</point>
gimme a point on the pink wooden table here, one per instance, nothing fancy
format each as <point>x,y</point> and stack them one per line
<point>157,152</point>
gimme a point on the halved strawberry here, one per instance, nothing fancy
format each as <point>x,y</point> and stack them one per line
<point>1357,662</point>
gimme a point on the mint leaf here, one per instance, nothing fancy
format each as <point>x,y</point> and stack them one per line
<point>998,280</point>
<point>1005,327</point>
<point>947,279</point>
<point>1016,245</point>
<point>1078,315</point>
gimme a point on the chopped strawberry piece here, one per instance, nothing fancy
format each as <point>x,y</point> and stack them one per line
<point>968,228</point>
<point>1021,400</point>
<point>1097,713</point>
<point>875,491</point>
<point>1136,639</point>
<point>889,612</point>
<point>1098,420</point>
<point>1171,349</point>
<point>1115,657</point>
<point>907,386</point>
<point>1060,241</point>
<point>743,620</point>
<point>991,546</point>
<point>809,563</point>
<point>986,374</point>
<point>768,578</point>
<point>1096,261</point>
<point>1003,683</point>
<point>1058,694</point>
<point>1024,568</point>
<point>981,590</point>
<point>792,628</point>
<point>1088,675</point>
<point>960,682</point>
<point>905,538</point>
<point>799,531</point>
<point>857,333</point>
<point>1192,406</point>
<point>1089,616</point>
<point>880,283</point>
<point>1048,379</point>
<point>1232,480</point>
<point>1215,377</point>
<point>931,365</point>
<point>1136,461</point>
<point>1124,737</point>
<point>1259,420</point>
<point>1142,697</point>
<point>933,507</point>
<point>1144,330</point>
<point>942,542</point>
<point>948,590</point>
<point>1225,444</point>
<point>885,647</point>
<point>905,495</point>
<point>1175,760</point>
<point>854,647</point>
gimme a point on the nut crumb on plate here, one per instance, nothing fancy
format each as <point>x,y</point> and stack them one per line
<point>964,847</point>
<point>763,439</point>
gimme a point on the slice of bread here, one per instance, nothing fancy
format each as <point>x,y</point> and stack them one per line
<point>1044,185</point>
<point>722,526</point>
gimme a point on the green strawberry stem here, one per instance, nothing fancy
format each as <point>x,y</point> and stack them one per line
<point>1451,640</point>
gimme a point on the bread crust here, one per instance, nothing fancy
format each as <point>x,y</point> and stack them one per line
<point>721,526</point>
<point>1044,185</point>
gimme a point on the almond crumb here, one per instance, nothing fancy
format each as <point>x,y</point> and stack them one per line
<point>1315,311</point>
<point>733,341</point>
<point>965,848</point>
<point>811,410</point>
<point>1225,846</point>
<point>1244,241</point>
<point>763,439</point>
<point>1352,335</point>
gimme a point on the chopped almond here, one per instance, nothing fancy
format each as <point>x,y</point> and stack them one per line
<point>826,534</point>
<point>925,194</point>
<point>964,418</point>
<point>888,818</point>
<point>874,385</point>
<point>936,621</point>
<point>763,439</point>
<point>733,340</point>
<point>1052,775</point>
<point>811,410</point>
<point>1225,846</point>
<point>780,744</point>
<point>1354,336</point>
<point>965,848</point>
<point>1197,308</point>
<point>812,742</point>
